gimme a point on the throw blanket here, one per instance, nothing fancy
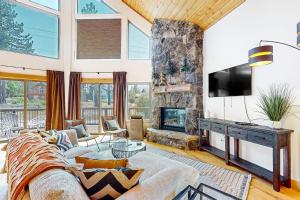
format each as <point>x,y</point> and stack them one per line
<point>27,156</point>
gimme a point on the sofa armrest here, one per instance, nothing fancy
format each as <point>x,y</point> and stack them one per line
<point>159,186</point>
<point>72,136</point>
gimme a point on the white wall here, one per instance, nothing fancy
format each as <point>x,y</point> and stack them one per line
<point>227,43</point>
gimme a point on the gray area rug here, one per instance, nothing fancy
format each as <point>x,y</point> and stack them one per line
<point>231,182</point>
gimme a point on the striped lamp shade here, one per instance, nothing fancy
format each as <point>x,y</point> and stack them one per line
<point>298,33</point>
<point>262,55</point>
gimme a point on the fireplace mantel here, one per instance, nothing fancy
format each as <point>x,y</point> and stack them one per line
<point>173,88</point>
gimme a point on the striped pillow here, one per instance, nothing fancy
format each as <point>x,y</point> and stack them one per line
<point>106,184</point>
<point>63,142</point>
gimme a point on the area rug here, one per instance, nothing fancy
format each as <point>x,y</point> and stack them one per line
<point>231,182</point>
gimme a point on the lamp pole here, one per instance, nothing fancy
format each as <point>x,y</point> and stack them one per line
<point>276,42</point>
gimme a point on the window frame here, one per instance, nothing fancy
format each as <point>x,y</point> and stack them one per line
<point>128,23</point>
<point>48,11</point>
<point>24,78</point>
<point>127,98</point>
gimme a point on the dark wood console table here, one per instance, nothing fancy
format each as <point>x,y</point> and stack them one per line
<point>274,138</point>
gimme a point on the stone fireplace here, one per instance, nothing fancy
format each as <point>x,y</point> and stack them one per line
<point>177,75</point>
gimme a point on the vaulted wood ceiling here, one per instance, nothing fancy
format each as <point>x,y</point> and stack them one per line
<point>205,13</point>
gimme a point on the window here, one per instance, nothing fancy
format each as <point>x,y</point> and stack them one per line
<point>138,43</point>
<point>28,30</point>
<point>93,7</point>
<point>99,39</point>
<point>54,4</point>
<point>36,104</point>
<point>17,112</point>
<point>96,101</point>
<point>139,100</point>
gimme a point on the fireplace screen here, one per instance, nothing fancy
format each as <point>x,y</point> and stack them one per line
<point>173,119</point>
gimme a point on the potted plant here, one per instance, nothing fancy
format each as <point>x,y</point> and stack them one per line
<point>276,103</point>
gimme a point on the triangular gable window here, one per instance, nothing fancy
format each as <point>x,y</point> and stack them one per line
<point>138,43</point>
<point>94,7</point>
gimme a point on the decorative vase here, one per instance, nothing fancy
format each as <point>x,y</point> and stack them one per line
<point>276,124</point>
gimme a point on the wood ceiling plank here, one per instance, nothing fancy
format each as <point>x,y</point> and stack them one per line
<point>227,8</point>
<point>205,13</point>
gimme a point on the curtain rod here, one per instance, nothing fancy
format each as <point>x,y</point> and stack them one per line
<point>44,70</point>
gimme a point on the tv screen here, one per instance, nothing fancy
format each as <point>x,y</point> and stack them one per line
<point>235,81</point>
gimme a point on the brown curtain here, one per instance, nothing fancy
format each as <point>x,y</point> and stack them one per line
<point>55,100</point>
<point>119,82</point>
<point>74,96</point>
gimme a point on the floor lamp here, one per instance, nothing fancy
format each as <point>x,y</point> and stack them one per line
<point>263,54</point>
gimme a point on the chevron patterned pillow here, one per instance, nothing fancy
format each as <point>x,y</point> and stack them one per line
<point>63,142</point>
<point>106,184</point>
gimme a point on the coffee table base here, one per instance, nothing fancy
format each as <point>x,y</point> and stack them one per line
<point>125,154</point>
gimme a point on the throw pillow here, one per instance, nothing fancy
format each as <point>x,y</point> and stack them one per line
<point>112,125</point>
<point>107,184</point>
<point>80,131</point>
<point>93,163</point>
<point>63,142</point>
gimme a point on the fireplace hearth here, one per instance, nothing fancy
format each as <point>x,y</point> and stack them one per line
<point>173,119</point>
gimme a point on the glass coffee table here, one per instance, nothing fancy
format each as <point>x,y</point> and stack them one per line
<point>127,148</point>
<point>203,192</point>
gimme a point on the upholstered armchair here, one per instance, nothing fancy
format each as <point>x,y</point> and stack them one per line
<point>120,132</point>
<point>87,138</point>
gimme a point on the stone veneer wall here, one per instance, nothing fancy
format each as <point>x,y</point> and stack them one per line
<point>178,42</point>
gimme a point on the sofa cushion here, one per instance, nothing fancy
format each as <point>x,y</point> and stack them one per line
<point>56,184</point>
<point>153,163</point>
<point>89,163</point>
<point>108,183</point>
<point>77,151</point>
<point>3,187</point>
<point>158,186</point>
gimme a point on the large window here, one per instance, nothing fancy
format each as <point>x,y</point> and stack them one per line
<point>99,39</point>
<point>22,105</point>
<point>28,30</point>
<point>139,100</point>
<point>138,43</point>
<point>96,101</point>
<point>93,7</point>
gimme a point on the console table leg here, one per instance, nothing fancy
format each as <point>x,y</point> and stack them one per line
<point>236,148</point>
<point>227,149</point>
<point>276,165</point>
<point>287,163</point>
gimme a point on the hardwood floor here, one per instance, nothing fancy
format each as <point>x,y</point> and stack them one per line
<point>259,189</point>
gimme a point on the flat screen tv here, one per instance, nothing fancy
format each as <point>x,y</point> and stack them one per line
<point>234,81</point>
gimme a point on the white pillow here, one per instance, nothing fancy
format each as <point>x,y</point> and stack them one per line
<point>56,184</point>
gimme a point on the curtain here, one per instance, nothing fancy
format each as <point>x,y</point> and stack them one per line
<point>119,82</point>
<point>74,96</point>
<point>55,100</point>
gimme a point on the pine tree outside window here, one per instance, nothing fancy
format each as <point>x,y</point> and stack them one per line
<point>28,31</point>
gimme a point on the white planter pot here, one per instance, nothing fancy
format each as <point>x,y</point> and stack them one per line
<point>276,124</point>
